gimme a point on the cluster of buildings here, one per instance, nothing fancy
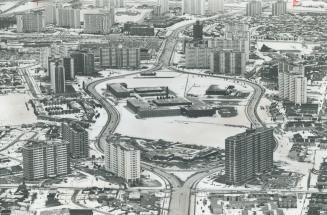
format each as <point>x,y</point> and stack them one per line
<point>254,8</point>
<point>225,55</point>
<point>51,158</point>
<point>292,84</point>
<point>99,22</point>
<point>244,203</point>
<point>62,64</point>
<point>248,154</point>
<point>62,17</point>
<point>145,105</point>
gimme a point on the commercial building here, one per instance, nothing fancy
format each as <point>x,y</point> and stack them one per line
<point>120,57</point>
<point>164,7</point>
<point>215,6</point>
<point>195,7</point>
<point>83,63</point>
<point>197,55</point>
<point>253,8</point>
<point>292,84</point>
<point>57,77</point>
<point>279,8</point>
<point>77,138</point>
<point>123,160</point>
<point>138,29</point>
<point>118,90</point>
<point>30,22</point>
<point>228,62</point>
<point>198,30</point>
<point>44,159</point>
<point>99,23</point>
<point>248,154</point>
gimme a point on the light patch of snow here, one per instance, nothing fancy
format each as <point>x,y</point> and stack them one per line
<point>15,109</point>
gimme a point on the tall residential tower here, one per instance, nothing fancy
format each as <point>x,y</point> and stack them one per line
<point>123,160</point>
<point>292,84</point>
<point>248,154</point>
<point>43,159</point>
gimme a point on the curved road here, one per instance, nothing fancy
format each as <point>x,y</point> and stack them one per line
<point>182,200</point>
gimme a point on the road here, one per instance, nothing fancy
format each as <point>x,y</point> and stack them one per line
<point>182,199</point>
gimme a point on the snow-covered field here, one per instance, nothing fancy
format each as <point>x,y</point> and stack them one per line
<point>88,181</point>
<point>15,111</point>
<point>212,129</point>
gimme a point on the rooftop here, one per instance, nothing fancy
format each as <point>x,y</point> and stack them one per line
<point>38,144</point>
<point>248,133</point>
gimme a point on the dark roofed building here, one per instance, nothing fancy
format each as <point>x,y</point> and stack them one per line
<point>215,90</point>
<point>119,90</point>
<point>80,212</point>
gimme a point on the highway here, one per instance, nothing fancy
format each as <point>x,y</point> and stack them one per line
<point>182,199</point>
<point>112,113</point>
<point>251,108</point>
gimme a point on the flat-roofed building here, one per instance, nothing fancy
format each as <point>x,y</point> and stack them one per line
<point>44,159</point>
<point>248,154</point>
<point>253,8</point>
<point>120,57</point>
<point>123,160</point>
<point>228,62</point>
<point>30,22</point>
<point>292,84</point>
<point>78,139</point>
<point>279,8</point>
<point>99,22</point>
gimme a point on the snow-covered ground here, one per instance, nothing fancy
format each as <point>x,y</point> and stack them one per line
<point>15,111</point>
<point>213,130</point>
<point>208,183</point>
<point>84,182</point>
<point>286,163</point>
<point>287,45</point>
